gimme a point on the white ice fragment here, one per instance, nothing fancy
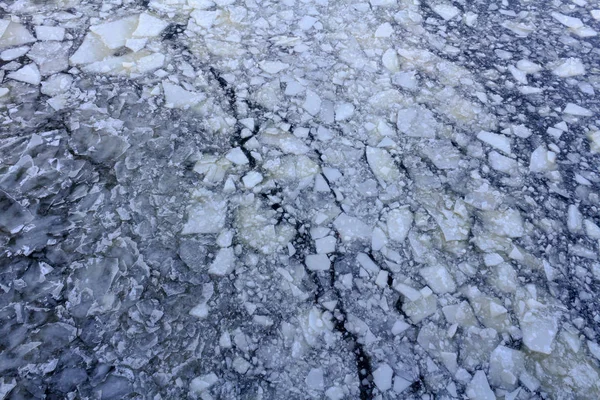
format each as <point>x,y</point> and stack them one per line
<point>479,388</point>
<point>378,239</point>
<point>207,216</point>
<point>518,74</point>
<point>317,262</point>
<point>314,379</point>
<point>49,32</point>
<point>595,14</point>
<point>205,19</point>
<point>344,111</point>
<point>401,384</point>
<point>384,30</point>
<point>382,164</point>
<point>539,329</point>
<point>416,121</point>
<point>495,140</point>
<point>178,97</point>
<point>399,222</point>
<point>306,22</point>
<point>382,377</point>
<point>28,74</point>
<point>438,278</point>
<point>202,383</point>
<point>399,327</point>
<point>521,131</point>
<point>200,311</point>
<point>4,91</point>
<point>114,34</point>
<point>225,238</point>
<point>574,109</point>
<point>273,67</point>
<point>237,156</point>
<point>252,179</point>
<point>56,84</point>
<point>3,25</point>
<point>224,262</point>
<point>508,223</point>
<point>410,293</point>
<point>382,279</point>
<point>567,21</point>
<point>470,18</point>
<point>149,26</point>
<point>13,34</point>
<point>569,67</point>
<point>351,228</point>
<point>542,160</point>
<point>592,230</point>
<point>446,11</point>
<point>506,366</point>
<point>383,3</point>
<point>574,219</point>
<point>528,67</point>
<point>390,60</point>
<point>240,365</point>
<point>312,104</point>
<point>325,245</point>
<point>16,52</point>
<point>136,44</point>
<point>502,163</point>
<point>92,49</point>
<point>334,393</point>
<point>584,31</point>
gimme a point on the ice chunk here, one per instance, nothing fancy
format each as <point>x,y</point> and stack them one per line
<point>224,262</point>
<point>504,223</point>
<point>28,74</point>
<point>383,3</point>
<point>399,222</point>
<point>206,216</point>
<point>312,104</point>
<point>382,377</point>
<point>438,278</point>
<point>495,140</point>
<point>252,179</point>
<point>569,67</point>
<point>542,160</point>
<point>506,366</point>
<point>382,164</point>
<point>479,388</point>
<point>114,34</point>
<point>539,327</point>
<point>502,163</point>
<point>567,21</point>
<point>528,67</point>
<point>317,262</point>
<point>149,26</point>
<point>344,111</point>
<point>574,109</point>
<point>325,245</point>
<point>178,97</point>
<point>417,121</point>
<point>237,156</point>
<point>273,67</point>
<point>314,379</point>
<point>446,11</point>
<point>390,60</point>
<point>351,228</point>
<point>49,32</point>
<point>14,53</point>
<point>202,383</point>
<point>384,30</point>
<point>14,34</point>
<point>92,49</point>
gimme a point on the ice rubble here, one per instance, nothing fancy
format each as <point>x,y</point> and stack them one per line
<point>371,179</point>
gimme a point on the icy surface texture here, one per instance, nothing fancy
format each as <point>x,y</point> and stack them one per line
<point>299,199</point>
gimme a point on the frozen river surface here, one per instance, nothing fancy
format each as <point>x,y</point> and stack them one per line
<point>299,199</point>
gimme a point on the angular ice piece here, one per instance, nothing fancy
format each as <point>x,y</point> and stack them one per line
<point>539,327</point>
<point>542,160</point>
<point>344,111</point>
<point>574,109</point>
<point>479,388</point>
<point>49,32</point>
<point>14,53</point>
<point>114,34</point>
<point>382,164</point>
<point>92,49</point>
<point>207,216</point>
<point>178,97</point>
<point>384,30</point>
<point>506,366</point>
<point>382,377</point>
<point>446,11</point>
<point>273,67</point>
<point>417,121</point>
<point>528,66</point>
<point>306,22</point>
<point>439,279</point>
<point>508,223</point>
<point>569,67</point>
<point>237,156</point>
<point>351,228</point>
<point>149,26</point>
<point>312,104</point>
<point>224,262</point>
<point>399,222</point>
<point>390,60</point>
<point>202,383</point>
<point>495,140</point>
<point>421,308</point>
<point>521,131</point>
<point>252,179</point>
<point>383,3</point>
<point>325,245</point>
<point>502,163</point>
<point>28,74</point>
<point>314,379</point>
<point>13,34</point>
<point>567,21</point>
<point>317,262</point>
